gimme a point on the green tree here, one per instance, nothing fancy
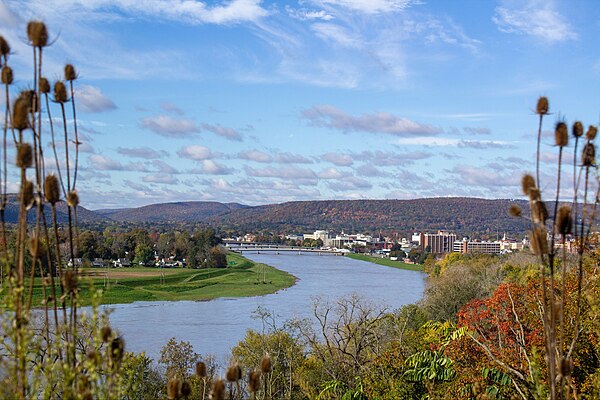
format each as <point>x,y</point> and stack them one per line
<point>178,358</point>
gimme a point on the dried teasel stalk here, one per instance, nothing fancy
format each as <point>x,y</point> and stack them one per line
<point>539,242</point>
<point>254,381</point>
<point>515,210</point>
<point>542,106</point>
<point>174,389</point>
<point>564,221</point>
<point>7,75</point>
<point>218,390</point>
<point>24,155</point>
<point>44,86</point>
<point>60,92</point>
<point>4,47</point>
<point>589,155</point>
<point>591,132</point>
<point>37,33</point>
<point>265,364</point>
<point>561,134</point>
<point>52,189</point>
<point>200,369</point>
<point>527,183</point>
<point>577,129</point>
<point>70,72</point>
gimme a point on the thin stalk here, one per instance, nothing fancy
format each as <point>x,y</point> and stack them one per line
<point>575,187</point>
<point>537,159</point>
<point>58,170</point>
<point>76,136</point>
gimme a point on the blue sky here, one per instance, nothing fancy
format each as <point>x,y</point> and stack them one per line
<point>261,102</point>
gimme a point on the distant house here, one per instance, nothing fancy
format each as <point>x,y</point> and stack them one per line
<point>98,263</point>
<point>121,262</point>
<point>78,262</point>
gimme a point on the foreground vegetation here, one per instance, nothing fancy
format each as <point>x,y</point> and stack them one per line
<point>241,278</point>
<point>386,261</point>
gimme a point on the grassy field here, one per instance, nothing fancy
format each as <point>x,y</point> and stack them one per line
<point>386,261</point>
<point>125,285</point>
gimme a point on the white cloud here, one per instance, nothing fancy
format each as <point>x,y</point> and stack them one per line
<point>195,152</point>
<point>537,18</point>
<point>291,158</point>
<point>256,156</point>
<point>332,173</point>
<point>337,34</point>
<point>140,152</point>
<point>304,14</point>
<point>165,125</point>
<point>171,108</point>
<point>103,163</point>
<point>332,117</point>
<point>167,179</point>
<point>434,141</point>
<point>227,133</point>
<point>213,168</point>
<point>371,6</point>
<point>91,99</point>
<point>282,173</point>
<point>339,159</point>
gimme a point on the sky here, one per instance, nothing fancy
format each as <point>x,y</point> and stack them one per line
<point>260,102</point>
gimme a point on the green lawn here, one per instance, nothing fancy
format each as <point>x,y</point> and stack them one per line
<point>241,278</point>
<point>386,261</point>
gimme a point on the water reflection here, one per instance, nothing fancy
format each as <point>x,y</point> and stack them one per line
<point>213,327</point>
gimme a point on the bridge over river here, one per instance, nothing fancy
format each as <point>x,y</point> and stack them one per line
<point>258,248</point>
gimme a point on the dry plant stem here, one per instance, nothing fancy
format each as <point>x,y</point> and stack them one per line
<point>76,135</point>
<point>59,264</point>
<point>580,251</point>
<point>575,187</point>
<point>58,170</point>
<point>537,163</point>
<point>20,272</point>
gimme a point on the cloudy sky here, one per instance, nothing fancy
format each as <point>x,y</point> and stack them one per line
<point>259,102</point>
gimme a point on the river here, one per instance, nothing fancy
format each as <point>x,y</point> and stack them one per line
<point>214,327</point>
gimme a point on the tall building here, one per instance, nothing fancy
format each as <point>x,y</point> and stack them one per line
<point>438,243</point>
<point>466,246</point>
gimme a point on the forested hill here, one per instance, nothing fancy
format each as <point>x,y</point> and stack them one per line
<point>462,215</point>
<point>188,211</point>
<point>465,216</point>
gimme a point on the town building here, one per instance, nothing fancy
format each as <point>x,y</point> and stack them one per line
<point>466,246</point>
<point>437,243</point>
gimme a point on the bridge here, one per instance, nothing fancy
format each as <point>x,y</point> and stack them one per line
<point>257,248</point>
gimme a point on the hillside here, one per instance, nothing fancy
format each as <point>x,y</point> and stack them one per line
<point>461,215</point>
<point>188,211</point>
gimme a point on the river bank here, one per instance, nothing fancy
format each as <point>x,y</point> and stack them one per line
<point>386,261</point>
<point>242,278</point>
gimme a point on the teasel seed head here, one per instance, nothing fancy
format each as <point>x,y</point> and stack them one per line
<point>527,183</point>
<point>34,245</point>
<point>72,199</point>
<point>70,281</point>
<point>20,113</point>
<point>218,390</point>
<point>564,220</point>
<point>542,106</point>
<point>117,349</point>
<point>591,132</point>
<point>186,389</point>
<point>7,75</point>
<point>52,189</point>
<point>561,134</point>
<point>265,364</point>
<point>106,333</point>
<point>44,85</point>
<point>539,212</point>
<point>254,381</point>
<point>539,242</point>
<point>200,369</point>
<point>535,194</point>
<point>566,367</point>
<point>577,130</point>
<point>27,194</point>
<point>24,155</point>
<point>234,373</point>
<point>515,210</point>
<point>60,92</point>
<point>4,47</point>
<point>173,389</point>
<point>37,33</point>
<point>589,155</point>
<point>70,73</point>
